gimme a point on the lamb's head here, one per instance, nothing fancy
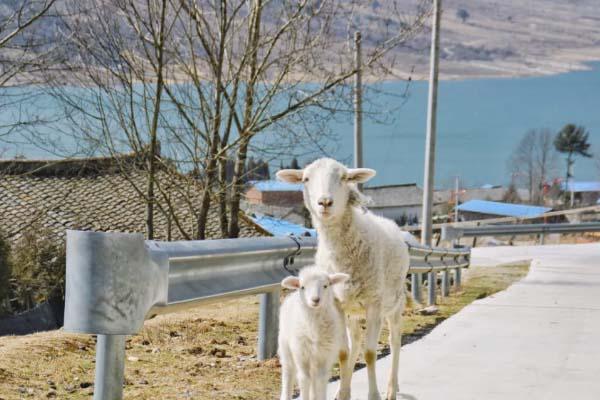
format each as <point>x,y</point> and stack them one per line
<point>314,285</point>
<point>329,187</point>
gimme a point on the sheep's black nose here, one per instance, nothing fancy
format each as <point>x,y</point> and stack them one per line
<point>325,201</point>
<point>315,300</point>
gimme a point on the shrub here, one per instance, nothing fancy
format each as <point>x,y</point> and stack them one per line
<point>38,269</point>
<point>4,275</point>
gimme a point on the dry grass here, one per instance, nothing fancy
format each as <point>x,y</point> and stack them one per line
<point>206,353</point>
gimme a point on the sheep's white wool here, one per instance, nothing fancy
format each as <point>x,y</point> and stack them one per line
<point>311,339</point>
<point>369,248</point>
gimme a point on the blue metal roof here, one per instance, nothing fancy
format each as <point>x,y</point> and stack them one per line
<point>582,186</point>
<point>503,209</point>
<point>280,227</point>
<point>276,186</point>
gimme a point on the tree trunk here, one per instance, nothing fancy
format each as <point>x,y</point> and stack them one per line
<point>237,186</point>
<point>154,127</point>
<point>246,134</point>
<point>222,197</point>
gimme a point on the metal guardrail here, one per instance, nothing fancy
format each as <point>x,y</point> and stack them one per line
<point>452,233</point>
<point>508,220</point>
<point>117,280</point>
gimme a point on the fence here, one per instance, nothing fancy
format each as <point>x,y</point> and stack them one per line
<point>115,281</point>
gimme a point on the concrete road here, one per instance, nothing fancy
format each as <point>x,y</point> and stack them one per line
<point>539,339</point>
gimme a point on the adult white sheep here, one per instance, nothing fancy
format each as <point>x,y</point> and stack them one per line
<point>312,334</point>
<point>369,248</point>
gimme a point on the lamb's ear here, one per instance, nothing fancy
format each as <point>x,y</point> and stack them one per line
<point>360,175</point>
<point>338,278</point>
<point>290,175</point>
<point>291,282</point>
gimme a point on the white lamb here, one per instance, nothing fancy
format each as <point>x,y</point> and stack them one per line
<point>371,249</point>
<point>312,334</point>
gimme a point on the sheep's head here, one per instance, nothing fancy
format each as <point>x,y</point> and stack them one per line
<point>329,187</point>
<point>314,285</point>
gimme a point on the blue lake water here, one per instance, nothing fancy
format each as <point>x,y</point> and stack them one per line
<point>479,124</point>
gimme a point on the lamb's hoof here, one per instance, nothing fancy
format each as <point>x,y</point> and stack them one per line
<point>343,395</point>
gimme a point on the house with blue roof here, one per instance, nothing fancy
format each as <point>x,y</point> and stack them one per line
<point>281,227</point>
<point>585,193</point>
<point>271,192</point>
<point>482,209</point>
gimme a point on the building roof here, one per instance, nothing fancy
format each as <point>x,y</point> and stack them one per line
<point>101,194</point>
<point>276,186</point>
<point>494,193</point>
<point>502,209</point>
<point>394,195</point>
<point>280,227</point>
<point>582,186</point>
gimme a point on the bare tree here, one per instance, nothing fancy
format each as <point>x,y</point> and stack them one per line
<point>533,161</point>
<point>213,81</point>
<point>24,50</point>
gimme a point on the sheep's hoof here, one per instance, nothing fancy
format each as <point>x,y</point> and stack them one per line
<point>343,395</point>
<point>374,396</point>
<point>391,393</point>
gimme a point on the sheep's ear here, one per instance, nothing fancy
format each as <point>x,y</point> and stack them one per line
<point>290,175</point>
<point>338,278</point>
<point>360,175</point>
<point>291,282</point>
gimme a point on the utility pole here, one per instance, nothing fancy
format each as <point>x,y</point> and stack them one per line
<point>456,199</point>
<point>358,156</point>
<point>426,231</point>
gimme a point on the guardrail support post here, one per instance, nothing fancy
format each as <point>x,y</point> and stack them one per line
<point>446,283</point>
<point>110,367</point>
<point>268,326</point>
<point>457,277</point>
<point>432,283</point>
<point>415,284</point>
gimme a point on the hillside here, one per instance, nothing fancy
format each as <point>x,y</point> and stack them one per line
<point>505,38</point>
<point>496,38</point>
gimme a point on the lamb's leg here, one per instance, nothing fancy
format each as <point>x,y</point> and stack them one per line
<point>304,383</point>
<point>319,382</point>
<point>373,331</point>
<point>395,327</point>
<point>354,332</point>
<point>287,378</point>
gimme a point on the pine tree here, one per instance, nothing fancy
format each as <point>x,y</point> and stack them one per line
<point>572,140</point>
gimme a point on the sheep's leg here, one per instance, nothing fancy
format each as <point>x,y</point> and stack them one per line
<point>354,332</point>
<point>287,379</point>
<point>373,331</point>
<point>395,327</point>
<point>345,375</point>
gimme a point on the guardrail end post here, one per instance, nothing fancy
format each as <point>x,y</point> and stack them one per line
<point>268,326</point>
<point>446,283</point>
<point>432,282</point>
<point>457,278</point>
<point>110,367</point>
<point>415,284</point>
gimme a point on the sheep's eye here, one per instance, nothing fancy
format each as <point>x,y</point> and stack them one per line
<point>305,179</point>
<point>325,286</point>
<point>302,287</point>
